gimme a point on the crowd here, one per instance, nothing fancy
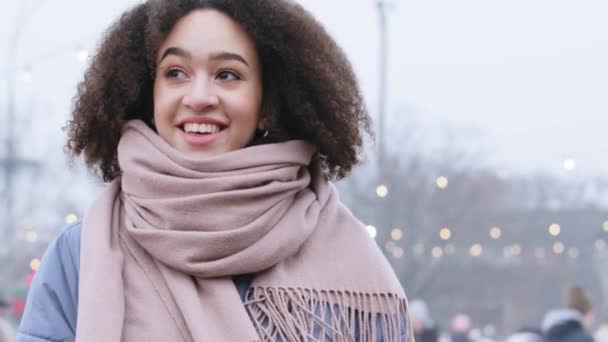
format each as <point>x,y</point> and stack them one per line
<point>573,321</point>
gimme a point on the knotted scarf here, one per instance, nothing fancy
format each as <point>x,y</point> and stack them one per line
<point>188,226</point>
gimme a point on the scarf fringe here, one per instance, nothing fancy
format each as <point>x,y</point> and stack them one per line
<point>297,314</point>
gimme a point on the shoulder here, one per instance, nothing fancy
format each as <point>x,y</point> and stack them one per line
<point>63,252</point>
<point>68,242</point>
<point>52,299</point>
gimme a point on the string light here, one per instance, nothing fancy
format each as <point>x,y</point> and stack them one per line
<point>476,250</point>
<point>558,248</point>
<point>495,233</point>
<point>396,234</point>
<point>442,182</point>
<point>569,164</point>
<point>554,229</point>
<point>31,236</point>
<point>437,252</point>
<point>511,251</point>
<point>445,233</point>
<point>82,55</point>
<point>71,218</point>
<point>372,231</point>
<point>398,252</point>
<point>35,264</point>
<point>516,250</point>
<point>381,191</point>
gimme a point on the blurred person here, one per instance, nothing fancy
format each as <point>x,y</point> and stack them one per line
<point>219,126</point>
<point>7,332</point>
<point>425,329</point>
<point>570,324</point>
<point>526,334</point>
<point>460,328</point>
<point>444,336</point>
<point>601,334</point>
<point>4,307</point>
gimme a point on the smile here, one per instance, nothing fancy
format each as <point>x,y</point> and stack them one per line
<point>201,134</point>
<point>201,128</point>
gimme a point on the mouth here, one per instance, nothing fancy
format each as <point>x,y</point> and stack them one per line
<point>201,128</point>
<point>201,134</point>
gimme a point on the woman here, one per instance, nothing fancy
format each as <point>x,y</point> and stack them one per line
<point>218,125</point>
<point>424,327</point>
<point>572,323</point>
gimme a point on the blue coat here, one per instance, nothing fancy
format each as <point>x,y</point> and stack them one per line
<point>52,301</point>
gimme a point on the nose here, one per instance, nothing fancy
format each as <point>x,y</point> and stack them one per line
<point>200,96</point>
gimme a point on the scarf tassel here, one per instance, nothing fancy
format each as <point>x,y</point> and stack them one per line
<point>296,314</point>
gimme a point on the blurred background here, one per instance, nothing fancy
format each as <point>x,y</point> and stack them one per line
<point>487,185</point>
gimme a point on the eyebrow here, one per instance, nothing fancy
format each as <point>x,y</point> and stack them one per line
<point>177,52</point>
<point>214,57</point>
<point>226,56</point>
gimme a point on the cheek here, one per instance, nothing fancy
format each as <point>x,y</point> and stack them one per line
<point>157,102</point>
<point>247,108</point>
<point>163,105</point>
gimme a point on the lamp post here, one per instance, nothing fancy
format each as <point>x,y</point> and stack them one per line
<point>11,164</point>
<point>383,6</point>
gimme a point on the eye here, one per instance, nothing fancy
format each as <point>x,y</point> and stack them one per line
<point>175,73</point>
<point>227,76</point>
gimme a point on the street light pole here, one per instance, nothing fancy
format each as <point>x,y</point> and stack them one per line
<point>383,7</point>
<point>11,163</point>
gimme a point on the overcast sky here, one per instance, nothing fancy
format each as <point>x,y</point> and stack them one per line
<point>530,76</point>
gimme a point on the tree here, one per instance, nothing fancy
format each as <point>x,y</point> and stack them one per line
<point>473,198</point>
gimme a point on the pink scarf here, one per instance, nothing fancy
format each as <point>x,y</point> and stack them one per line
<point>161,244</point>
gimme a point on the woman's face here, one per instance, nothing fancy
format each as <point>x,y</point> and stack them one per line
<point>208,85</point>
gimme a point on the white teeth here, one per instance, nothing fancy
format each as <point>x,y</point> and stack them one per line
<point>201,128</point>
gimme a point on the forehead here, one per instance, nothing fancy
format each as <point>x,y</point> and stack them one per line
<point>204,31</point>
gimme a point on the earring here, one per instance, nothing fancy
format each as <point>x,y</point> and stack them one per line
<point>265,133</point>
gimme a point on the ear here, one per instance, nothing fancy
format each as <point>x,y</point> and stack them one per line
<point>262,124</point>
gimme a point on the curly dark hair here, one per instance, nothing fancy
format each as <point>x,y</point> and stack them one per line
<point>310,90</point>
